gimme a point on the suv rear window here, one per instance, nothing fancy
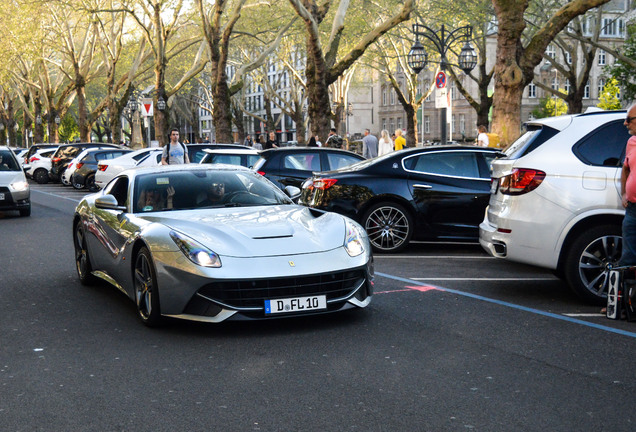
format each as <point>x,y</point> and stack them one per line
<point>532,139</point>
<point>605,146</point>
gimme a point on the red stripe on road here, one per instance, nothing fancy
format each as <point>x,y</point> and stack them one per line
<point>424,288</point>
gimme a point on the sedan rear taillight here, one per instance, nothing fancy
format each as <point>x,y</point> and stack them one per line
<point>321,184</point>
<point>261,172</point>
<point>101,167</point>
<point>78,166</point>
<point>56,159</point>
<point>521,181</point>
<point>34,159</point>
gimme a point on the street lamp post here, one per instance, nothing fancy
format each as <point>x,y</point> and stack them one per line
<point>442,40</point>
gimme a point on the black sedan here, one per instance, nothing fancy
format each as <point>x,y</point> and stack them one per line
<point>84,175</point>
<point>425,193</point>
<point>291,166</point>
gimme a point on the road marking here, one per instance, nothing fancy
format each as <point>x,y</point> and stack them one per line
<point>585,315</point>
<point>56,195</point>
<point>511,305</point>
<point>489,279</point>
<point>435,257</point>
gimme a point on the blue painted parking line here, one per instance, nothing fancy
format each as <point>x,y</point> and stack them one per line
<point>511,305</point>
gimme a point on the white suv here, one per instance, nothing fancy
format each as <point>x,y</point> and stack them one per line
<point>556,202</point>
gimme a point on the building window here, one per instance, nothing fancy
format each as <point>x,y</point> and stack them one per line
<point>384,97</point>
<point>427,124</point>
<point>462,124</point>
<point>601,85</point>
<point>567,86</point>
<point>568,57</point>
<point>391,126</point>
<point>555,83</point>
<point>586,91</point>
<point>601,57</point>
<point>551,51</point>
<point>454,123</point>
<point>532,90</point>
<point>399,122</point>
<point>392,97</point>
<point>383,123</point>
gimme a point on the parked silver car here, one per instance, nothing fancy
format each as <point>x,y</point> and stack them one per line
<point>216,242</point>
<point>555,199</point>
<point>15,193</point>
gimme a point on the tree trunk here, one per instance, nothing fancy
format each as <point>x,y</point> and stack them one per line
<point>222,115</point>
<point>411,125</point>
<point>38,130</point>
<point>509,80</point>
<point>82,113</point>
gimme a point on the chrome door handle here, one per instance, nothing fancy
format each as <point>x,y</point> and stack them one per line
<point>423,186</point>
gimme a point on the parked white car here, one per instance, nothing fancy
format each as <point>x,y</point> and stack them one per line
<point>246,157</point>
<point>107,170</point>
<point>39,165</point>
<point>556,202</point>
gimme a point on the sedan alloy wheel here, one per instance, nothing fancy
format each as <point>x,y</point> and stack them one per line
<point>389,227</point>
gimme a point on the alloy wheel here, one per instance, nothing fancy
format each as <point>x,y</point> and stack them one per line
<point>388,228</point>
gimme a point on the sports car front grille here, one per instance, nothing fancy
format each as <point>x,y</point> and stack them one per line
<point>253,293</point>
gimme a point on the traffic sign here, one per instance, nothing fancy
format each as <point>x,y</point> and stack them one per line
<point>440,80</point>
<point>146,107</point>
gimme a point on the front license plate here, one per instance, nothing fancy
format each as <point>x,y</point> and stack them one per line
<point>296,304</point>
<point>1,197</point>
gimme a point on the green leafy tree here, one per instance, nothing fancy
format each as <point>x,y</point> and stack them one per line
<point>609,99</point>
<point>624,70</point>
<point>550,106</point>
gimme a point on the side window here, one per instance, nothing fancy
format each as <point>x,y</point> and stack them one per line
<point>303,161</point>
<point>119,189</point>
<point>456,164</point>
<point>337,161</point>
<point>603,147</point>
<point>486,168</point>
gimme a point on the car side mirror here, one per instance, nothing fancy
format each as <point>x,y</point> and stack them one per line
<point>108,202</point>
<point>292,192</point>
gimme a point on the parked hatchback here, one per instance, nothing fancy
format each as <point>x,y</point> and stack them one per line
<point>556,201</point>
<point>66,152</point>
<point>85,168</point>
<point>15,193</point>
<point>291,166</point>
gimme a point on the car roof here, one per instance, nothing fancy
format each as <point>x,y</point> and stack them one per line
<point>282,150</point>
<point>232,151</point>
<point>134,172</point>
<point>561,122</point>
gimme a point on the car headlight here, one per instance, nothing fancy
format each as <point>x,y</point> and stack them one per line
<point>195,251</point>
<point>19,186</point>
<point>354,239</point>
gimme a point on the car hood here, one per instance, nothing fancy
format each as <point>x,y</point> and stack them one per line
<point>8,177</point>
<point>258,231</point>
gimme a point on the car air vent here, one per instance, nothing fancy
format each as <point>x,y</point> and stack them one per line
<point>272,237</point>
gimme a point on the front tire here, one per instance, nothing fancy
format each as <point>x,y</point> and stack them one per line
<point>82,258</point>
<point>587,261</point>
<point>389,227</point>
<point>90,183</point>
<point>146,292</point>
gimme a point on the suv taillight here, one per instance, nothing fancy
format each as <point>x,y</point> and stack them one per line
<point>521,181</point>
<point>78,166</point>
<point>101,167</point>
<point>56,159</point>
<point>321,184</point>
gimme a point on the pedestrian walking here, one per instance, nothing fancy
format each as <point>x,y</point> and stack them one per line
<point>272,142</point>
<point>400,141</point>
<point>333,140</point>
<point>369,145</point>
<point>248,141</point>
<point>174,152</point>
<point>482,138</point>
<point>385,144</point>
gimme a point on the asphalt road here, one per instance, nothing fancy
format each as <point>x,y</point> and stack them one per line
<point>452,341</point>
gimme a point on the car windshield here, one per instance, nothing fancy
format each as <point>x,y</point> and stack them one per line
<point>8,162</point>
<point>199,189</point>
